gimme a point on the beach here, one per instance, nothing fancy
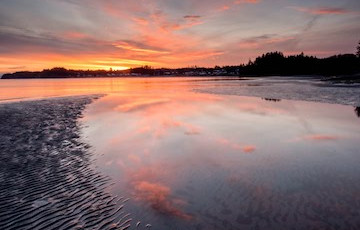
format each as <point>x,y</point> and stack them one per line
<point>47,181</point>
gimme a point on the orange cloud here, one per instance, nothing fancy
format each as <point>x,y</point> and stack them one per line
<point>46,59</point>
<point>141,21</point>
<point>246,1</point>
<point>128,46</point>
<point>237,2</point>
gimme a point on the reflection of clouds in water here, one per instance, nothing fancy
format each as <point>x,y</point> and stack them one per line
<point>260,108</point>
<point>155,116</point>
<point>168,172</point>
<point>134,158</point>
<point>321,137</point>
<point>316,138</point>
<point>158,196</point>
<point>166,124</point>
<point>140,104</point>
<point>192,131</point>
<point>249,148</point>
<point>146,188</point>
<point>236,146</point>
<point>159,126</point>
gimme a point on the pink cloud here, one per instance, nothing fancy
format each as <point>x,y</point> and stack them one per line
<point>237,2</point>
<point>224,8</point>
<point>322,10</point>
<point>141,21</point>
<point>246,1</point>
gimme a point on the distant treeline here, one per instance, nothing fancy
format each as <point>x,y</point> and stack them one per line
<point>57,72</point>
<point>276,63</point>
<point>269,64</point>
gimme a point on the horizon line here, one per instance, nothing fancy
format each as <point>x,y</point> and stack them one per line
<point>172,68</point>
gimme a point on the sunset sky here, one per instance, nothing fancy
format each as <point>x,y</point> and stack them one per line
<point>118,34</point>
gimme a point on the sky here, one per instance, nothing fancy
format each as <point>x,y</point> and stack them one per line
<point>120,34</point>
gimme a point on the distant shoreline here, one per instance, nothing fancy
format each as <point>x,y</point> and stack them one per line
<point>340,79</point>
<point>269,64</point>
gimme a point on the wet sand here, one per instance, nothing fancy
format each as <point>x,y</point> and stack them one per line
<point>47,181</point>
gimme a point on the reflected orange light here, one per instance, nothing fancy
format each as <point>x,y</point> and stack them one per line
<point>139,104</point>
<point>321,137</point>
<point>236,146</point>
<point>249,148</point>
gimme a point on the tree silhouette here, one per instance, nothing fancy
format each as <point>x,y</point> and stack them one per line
<point>358,50</point>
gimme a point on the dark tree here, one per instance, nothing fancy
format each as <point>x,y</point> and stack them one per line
<point>358,50</point>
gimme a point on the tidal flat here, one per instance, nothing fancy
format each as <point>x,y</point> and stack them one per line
<point>47,181</point>
<point>182,153</point>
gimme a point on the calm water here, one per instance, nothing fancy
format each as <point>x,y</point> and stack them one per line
<point>43,88</point>
<point>194,160</point>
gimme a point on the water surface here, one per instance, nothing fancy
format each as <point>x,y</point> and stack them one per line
<point>194,160</point>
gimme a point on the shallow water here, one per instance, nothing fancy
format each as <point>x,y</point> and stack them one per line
<point>193,160</point>
<point>21,89</point>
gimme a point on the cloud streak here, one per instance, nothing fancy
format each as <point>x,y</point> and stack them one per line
<point>323,10</point>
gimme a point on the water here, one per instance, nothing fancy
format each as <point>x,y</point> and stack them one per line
<point>202,161</point>
<point>13,90</point>
<point>191,160</point>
